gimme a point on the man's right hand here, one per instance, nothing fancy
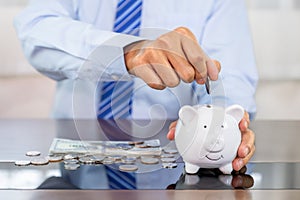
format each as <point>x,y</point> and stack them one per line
<point>172,57</point>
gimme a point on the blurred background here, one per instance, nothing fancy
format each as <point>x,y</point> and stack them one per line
<point>275,29</point>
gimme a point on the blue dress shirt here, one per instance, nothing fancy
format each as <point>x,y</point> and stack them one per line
<point>59,37</point>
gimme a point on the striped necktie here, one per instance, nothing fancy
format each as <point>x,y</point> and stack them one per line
<point>115,101</point>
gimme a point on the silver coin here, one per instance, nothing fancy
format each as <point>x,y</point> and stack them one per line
<point>128,168</point>
<point>149,160</point>
<point>55,158</point>
<point>33,153</point>
<point>22,162</point>
<point>98,159</point>
<point>87,160</point>
<point>108,160</point>
<point>71,156</point>
<point>167,156</point>
<point>133,156</point>
<point>170,151</point>
<point>168,160</point>
<point>116,157</point>
<point>127,160</point>
<point>72,161</point>
<point>169,165</point>
<point>71,166</point>
<point>152,144</point>
<point>124,146</point>
<point>39,161</point>
<point>142,146</point>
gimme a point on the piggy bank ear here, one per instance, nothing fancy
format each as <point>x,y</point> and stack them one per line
<point>187,114</point>
<point>236,111</point>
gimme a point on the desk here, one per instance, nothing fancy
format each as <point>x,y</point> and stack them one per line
<point>275,168</point>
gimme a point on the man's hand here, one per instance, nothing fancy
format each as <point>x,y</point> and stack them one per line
<point>172,57</point>
<point>246,148</point>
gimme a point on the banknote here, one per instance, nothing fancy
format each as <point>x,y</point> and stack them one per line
<point>64,146</point>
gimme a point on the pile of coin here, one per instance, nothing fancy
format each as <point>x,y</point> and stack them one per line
<point>73,161</point>
<point>35,159</point>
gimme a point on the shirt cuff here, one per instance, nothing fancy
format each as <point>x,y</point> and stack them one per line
<point>107,63</point>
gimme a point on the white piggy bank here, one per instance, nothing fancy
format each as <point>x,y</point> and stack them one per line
<point>208,136</point>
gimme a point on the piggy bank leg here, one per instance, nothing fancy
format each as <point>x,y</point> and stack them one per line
<point>191,169</point>
<point>226,169</point>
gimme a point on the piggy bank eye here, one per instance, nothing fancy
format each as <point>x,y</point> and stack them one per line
<point>222,126</point>
<point>205,126</point>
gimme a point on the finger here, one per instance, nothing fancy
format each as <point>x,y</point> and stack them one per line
<point>146,73</point>
<point>213,69</point>
<point>171,133</point>
<point>244,123</point>
<point>166,73</point>
<point>247,143</point>
<point>196,57</point>
<point>173,125</point>
<point>182,67</point>
<point>243,170</point>
<point>238,163</point>
<point>245,150</point>
<point>213,66</point>
<point>192,51</point>
<point>186,33</point>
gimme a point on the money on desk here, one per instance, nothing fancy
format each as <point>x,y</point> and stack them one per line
<point>64,146</point>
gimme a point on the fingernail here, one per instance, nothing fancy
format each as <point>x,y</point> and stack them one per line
<point>240,163</point>
<point>246,124</point>
<point>201,81</point>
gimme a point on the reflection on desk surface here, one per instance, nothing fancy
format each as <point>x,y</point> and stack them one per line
<point>53,176</point>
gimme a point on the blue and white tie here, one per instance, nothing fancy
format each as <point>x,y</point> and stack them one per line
<point>116,97</point>
<point>115,101</point>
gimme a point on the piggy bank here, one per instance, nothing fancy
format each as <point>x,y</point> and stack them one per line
<point>208,136</point>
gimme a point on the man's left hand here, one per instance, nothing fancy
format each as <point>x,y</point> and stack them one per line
<point>247,147</point>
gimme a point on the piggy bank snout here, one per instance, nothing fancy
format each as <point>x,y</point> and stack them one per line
<point>217,146</point>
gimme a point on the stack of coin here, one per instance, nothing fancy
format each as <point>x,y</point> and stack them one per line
<point>149,160</point>
<point>128,168</point>
<point>168,160</point>
<point>71,156</point>
<point>170,151</point>
<point>108,161</point>
<point>167,156</point>
<point>169,165</point>
<point>55,158</point>
<point>71,166</point>
<point>87,160</point>
<point>98,159</point>
<point>39,161</point>
<point>128,160</point>
<point>22,162</point>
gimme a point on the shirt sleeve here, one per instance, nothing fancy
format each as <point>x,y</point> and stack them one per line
<point>60,46</point>
<point>227,38</point>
